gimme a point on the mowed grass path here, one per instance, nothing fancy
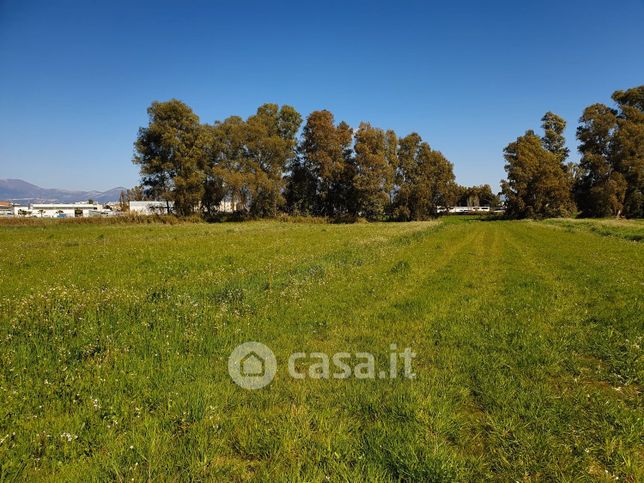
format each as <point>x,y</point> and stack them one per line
<point>114,343</point>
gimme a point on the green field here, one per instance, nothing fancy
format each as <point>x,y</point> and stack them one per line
<point>114,341</point>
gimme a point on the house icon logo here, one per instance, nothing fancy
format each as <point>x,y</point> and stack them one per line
<point>252,365</point>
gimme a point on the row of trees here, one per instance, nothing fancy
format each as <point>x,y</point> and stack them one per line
<point>260,166</point>
<point>609,179</point>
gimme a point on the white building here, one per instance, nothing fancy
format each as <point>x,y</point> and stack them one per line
<point>151,207</point>
<point>469,209</point>
<point>464,209</point>
<point>226,206</point>
<point>164,208</point>
<point>59,210</point>
<point>6,208</point>
<point>21,210</point>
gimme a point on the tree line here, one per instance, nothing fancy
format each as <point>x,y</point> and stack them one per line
<point>607,181</point>
<point>268,163</point>
<point>260,166</point>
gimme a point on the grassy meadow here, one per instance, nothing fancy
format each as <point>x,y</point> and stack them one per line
<point>114,342</point>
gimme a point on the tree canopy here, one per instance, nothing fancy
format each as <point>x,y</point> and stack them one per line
<point>171,154</point>
<point>607,181</point>
<point>259,166</point>
<point>537,185</point>
<point>610,180</point>
<point>267,164</point>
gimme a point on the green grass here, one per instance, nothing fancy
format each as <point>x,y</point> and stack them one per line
<point>114,342</point>
<point>627,229</point>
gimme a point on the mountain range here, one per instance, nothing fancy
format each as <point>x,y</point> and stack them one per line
<point>19,191</point>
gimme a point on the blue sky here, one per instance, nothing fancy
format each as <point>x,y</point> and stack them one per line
<point>76,77</point>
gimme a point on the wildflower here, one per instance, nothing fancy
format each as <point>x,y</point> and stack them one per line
<point>68,436</point>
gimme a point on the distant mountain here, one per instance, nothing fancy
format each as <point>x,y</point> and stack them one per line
<point>19,191</point>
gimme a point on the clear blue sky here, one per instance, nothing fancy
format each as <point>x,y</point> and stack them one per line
<point>76,77</point>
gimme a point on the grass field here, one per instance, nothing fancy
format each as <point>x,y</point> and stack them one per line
<point>114,343</point>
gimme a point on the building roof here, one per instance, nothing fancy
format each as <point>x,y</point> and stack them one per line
<point>68,206</point>
<point>151,203</point>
